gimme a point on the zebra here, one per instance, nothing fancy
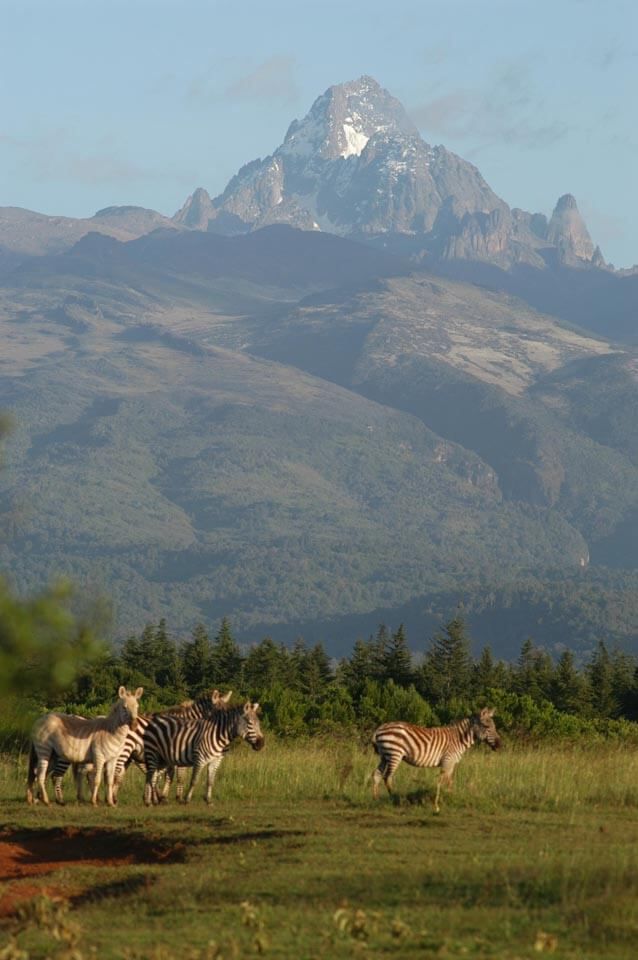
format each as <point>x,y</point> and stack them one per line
<point>78,740</point>
<point>430,747</point>
<point>173,741</point>
<point>132,751</point>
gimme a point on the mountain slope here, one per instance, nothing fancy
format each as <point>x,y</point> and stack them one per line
<point>196,484</point>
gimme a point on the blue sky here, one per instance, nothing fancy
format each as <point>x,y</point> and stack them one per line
<point>108,102</point>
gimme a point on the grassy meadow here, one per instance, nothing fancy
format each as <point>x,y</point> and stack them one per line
<point>534,851</point>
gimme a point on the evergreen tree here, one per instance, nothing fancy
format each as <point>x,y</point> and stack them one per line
<point>445,676</point>
<point>225,659</point>
<point>488,674</point>
<point>396,663</point>
<point>623,667</point>
<point>296,661</point>
<point>524,673</point>
<point>195,657</point>
<point>139,654</point>
<point>569,690</point>
<point>316,674</point>
<point>354,672</point>
<point>266,666</point>
<point>167,667</point>
<point>600,674</point>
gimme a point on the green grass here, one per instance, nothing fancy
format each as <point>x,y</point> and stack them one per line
<point>533,851</point>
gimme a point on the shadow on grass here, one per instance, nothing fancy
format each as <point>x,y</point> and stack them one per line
<point>110,891</point>
<point>251,836</point>
<point>38,850</point>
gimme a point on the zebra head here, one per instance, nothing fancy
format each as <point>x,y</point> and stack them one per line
<point>248,727</point>
<point>484,729</point>
<point>128,704</point>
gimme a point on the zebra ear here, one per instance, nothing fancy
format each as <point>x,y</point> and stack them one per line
<point>121,692</point>
<point>256,708</point>
<point>247,706</point>
<point>138,693</point>
<point>488,712</point>
<point>227,696</point>
<point>215,696</point>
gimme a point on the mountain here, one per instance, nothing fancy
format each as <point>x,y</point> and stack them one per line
<point>25,234</point>
<point>357,166</point>
<point>356,386</point>
<point>293,429</point>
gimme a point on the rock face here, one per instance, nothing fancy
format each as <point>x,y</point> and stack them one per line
<point>567,231</point>
<point>197,211</point>
<point>357,166</point>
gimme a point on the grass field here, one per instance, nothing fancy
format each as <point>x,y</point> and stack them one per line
<point>535,850</point>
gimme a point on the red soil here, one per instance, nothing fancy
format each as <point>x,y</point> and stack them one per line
<point>37,853</point>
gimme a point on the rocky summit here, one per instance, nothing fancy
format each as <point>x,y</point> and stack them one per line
<point>357,166</point>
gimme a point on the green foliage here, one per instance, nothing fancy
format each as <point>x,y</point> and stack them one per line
<point>380,703</point>
<point>303,693</point>
<point>43,643</point>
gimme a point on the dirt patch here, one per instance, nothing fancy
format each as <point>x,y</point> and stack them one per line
<point>36,853</point>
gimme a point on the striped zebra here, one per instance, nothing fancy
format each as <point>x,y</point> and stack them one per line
<point>173,741</point>
<point>430,747</point>
<point>97,740</point>
<point>132,751</point>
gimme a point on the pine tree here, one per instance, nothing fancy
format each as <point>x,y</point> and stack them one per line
<point>195,657</point>
<point>524,673</point>
<point>225,659</point>
<point>316,674</point>
<point>600,674</point>
<point>266,666</point>
<point>354,672</point>
<point>488,674</point>
<point>167,668</point>
<point>446,671</point>
<point>569,690</point>
<point>396,663</point>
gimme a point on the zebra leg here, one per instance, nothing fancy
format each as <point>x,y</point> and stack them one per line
<point>109,773</point>
<point>213,766</point>
<point>385,771</point>
<point>148,786</point>
<point>163,794</point>
<point>57,788</point>
<point>151,797</point>
<point>180,780</point>
<point>41,775</point>
<point>377,777</point>
<point>445,779</point>
<point>197,769</point>
<point>96,779</point>
<point>31,774</point>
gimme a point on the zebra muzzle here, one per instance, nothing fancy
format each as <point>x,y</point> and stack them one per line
<point>258,744</point>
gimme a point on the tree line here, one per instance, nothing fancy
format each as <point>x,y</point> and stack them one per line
<point>303,692</point>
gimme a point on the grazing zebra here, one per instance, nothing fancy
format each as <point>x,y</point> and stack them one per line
<point>77,740</point>
<point>430,747</point>
<point>170,740</point>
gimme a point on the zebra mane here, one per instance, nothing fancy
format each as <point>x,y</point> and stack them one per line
<point>186,707</point>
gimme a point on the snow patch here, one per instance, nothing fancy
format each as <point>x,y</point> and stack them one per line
<point>355,141</point>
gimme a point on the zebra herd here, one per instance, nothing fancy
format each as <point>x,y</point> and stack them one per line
<point>197,734</point>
